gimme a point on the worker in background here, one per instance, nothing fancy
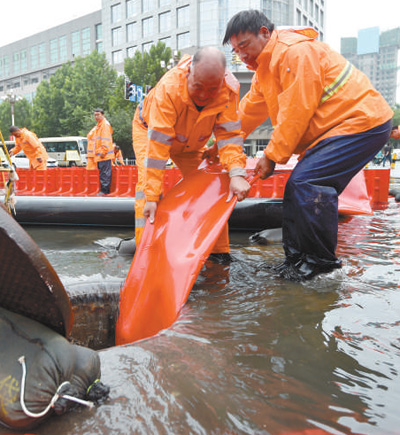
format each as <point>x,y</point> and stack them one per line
<point>103,149</point>
<point>28,142</point>
<point>90,154</point>
<point>322,108</point>
<point>190,102</point>
<point>118,159</point>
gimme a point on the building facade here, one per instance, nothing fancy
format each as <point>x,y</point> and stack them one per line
<point>123,26</point>
<point>377,55</point>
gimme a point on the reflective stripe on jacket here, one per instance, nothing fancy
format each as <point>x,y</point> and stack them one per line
<point>32,147</point>
<point>310,92</point>
<point>174,125</point>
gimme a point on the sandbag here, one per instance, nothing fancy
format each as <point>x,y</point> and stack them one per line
<point>41,373</point>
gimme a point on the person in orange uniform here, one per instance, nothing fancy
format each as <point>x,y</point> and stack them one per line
<point>195,99</point>
<point>323,109</point>
<point>103,149</point>
<point>28,142</point>
<point>90,153</point>
<point>118,159</point>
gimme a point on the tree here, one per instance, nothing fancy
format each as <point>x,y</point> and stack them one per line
<point>22,117</point>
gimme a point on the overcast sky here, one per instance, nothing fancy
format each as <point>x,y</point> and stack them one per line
<point>22,18</point>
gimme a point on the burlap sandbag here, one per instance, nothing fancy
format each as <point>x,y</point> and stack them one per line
<point>57,372</point>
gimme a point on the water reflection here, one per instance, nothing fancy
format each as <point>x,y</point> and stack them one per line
<point>250,353</point>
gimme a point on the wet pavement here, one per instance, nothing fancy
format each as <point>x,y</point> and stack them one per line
<point>250,353</point>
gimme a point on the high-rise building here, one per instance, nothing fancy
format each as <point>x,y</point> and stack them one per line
<point>377,55</point>
<point>123,26</point>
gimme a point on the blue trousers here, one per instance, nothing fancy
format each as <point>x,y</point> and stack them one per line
<point>310,203</point>
<point>105,175</point>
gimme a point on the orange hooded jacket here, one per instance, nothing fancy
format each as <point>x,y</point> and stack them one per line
<point>32,147</point>
<point>175,126</point>
<point>103,142</point>
<point>310,92</point>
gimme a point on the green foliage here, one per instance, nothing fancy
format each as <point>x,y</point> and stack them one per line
<point>64,104</point>
<point>22,118</point>
<point>396,117</point>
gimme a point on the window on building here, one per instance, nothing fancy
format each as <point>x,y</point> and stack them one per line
<point>117,57</point>
<point>130,51</point>
<point>164,22</point>
<point>99,32</point>
<point>298,17</point>
<point>23,59</point>
<point>146,47</point>
<point>148,6</point>
<point>182,16</point>
<point>208,22</point>
<point>167,41</point>
<point>42,54</point>
<point>116,36</point>
<point>62,44</point>
<point>116,13</point>
<point>76,44</point>
<point>34,57</point>
<point>183,40</point>
<point>131,8</point>
<point>131,32</point>
<point>100,46</point>
<point>147,27</point>
<point>322,18</point>
<point>16,64</point>
<point>163,3</point>
<point>53,51</point>
<point>86,41</point>
<point>316,14</point>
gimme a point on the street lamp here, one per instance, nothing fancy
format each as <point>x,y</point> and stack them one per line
<point>12,99</point>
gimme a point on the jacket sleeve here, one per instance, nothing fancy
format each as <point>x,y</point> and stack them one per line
<point>227,132</point>
<point>253,110</point>
<point>161,133</point>
<point>36,144</point>
<point>301,79</point>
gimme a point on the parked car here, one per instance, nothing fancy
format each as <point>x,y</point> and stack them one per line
<point>21,161</point>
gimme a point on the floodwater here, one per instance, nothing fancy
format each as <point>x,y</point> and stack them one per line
<point>250,353</point>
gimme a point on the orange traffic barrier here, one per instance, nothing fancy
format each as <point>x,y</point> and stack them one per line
<point>378,181</point>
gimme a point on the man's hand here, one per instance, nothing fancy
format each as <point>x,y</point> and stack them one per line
<point>149,211</point>
<point>39,159</point>
<point>238,186</point>
<point>265,167</point>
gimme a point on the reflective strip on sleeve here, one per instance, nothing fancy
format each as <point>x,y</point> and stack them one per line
<point>140,222</point>
<point>229,126</point>
<point>237,172</point>
<point>237,140</point>
<point>159,137</point>
<point>181,138</point>
<point>140,194</point>
<point>154,163</point>
<point>340,80</point>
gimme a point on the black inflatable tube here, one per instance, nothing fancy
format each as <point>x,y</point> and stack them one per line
<point>252,214</point>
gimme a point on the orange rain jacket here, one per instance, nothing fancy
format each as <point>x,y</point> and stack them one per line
<point>91,145</point>
<point>176,127</point>
<point>32,147</point>
<point>310,92</point>
<point>103,142</point>
<point>118,159</point>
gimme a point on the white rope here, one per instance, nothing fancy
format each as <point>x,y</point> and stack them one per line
<point>52,401</point>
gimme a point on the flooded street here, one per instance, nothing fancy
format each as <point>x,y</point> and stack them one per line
<point>251,353</point>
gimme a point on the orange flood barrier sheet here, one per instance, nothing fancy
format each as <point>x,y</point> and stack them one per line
<point>172,251</point>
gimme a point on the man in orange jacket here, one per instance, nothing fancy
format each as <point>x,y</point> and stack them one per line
<point>118,160</point>
<point>191,102</point>
<point>101,133</point>
<point>321,108</point>
<point>28,142</point>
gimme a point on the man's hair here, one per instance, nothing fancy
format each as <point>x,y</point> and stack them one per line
<point>203,52</point>
<point>99,110</point>
<point>13,128</point>
<point>247,21</point>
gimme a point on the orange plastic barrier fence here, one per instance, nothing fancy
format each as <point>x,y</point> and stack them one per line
<point>81,182</point>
